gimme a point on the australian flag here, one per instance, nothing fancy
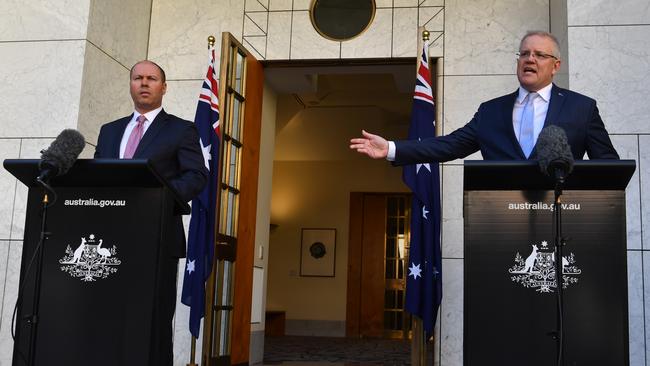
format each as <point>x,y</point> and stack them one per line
<point>424,280</point>
<point>200,242</point>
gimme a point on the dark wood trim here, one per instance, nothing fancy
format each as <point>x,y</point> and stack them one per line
<point>353,303</point>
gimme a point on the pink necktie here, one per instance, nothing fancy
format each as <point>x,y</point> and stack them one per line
<point>135,137</point>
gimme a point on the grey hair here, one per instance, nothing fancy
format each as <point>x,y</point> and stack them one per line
<point>556,44</point>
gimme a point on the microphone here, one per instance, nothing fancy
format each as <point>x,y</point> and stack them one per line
<point>61,155</point>
<point>554,154</point>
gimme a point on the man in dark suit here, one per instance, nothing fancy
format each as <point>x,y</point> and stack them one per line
<point>172,146</point>
<point>506,128</point>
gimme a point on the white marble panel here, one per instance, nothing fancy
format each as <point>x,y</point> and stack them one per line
<point>605,12</point>
<point>275,5</point>
<point>628,148</point>
<point>452,211</point>
<point>405,3</point>
<point>301,4</point>
<point>405,32</point>
<point>451,315</point>
<point>255,24</point>
<point>306,43</point>
<point>643,167</point>
<point>635,307</point>
<point>433,19</point>
<point>4,264</point>
<point>179,32</point>
<point>256,45</point>
<point>9,149</point>
<point>436,44</point>
<point>40,86</point>
<point>481,37</point>
<point>256,5</point>
<point>375,41</point>
<point>12,276</point>
<point>611,65</point>
<point>182,98</point>
<point>383,4</point>
<point>29,149</point>
<point>646,304</point>
<point>464,94</point>
<point>121,29</point>
<point>278,41</point>
<point>104,95</point>
<point>43,19</point>
<point>425,3</point>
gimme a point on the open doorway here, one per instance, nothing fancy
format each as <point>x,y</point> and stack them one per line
<point>320,106</point>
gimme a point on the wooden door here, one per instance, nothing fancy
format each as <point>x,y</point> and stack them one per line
<point>374,262</point>
<point>226,335</point>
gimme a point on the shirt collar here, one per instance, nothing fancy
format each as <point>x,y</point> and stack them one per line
<point>544,93</point>
<point>150,116</point>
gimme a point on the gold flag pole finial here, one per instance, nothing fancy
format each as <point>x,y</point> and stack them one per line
<point>425,35</point>
<point>211,41</point>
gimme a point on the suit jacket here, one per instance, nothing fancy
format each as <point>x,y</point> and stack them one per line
<point>172,146</point>
<point>491,131</point>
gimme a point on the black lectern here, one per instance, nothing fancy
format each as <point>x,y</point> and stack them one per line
<point>109,226</point>
<point>510,303</point>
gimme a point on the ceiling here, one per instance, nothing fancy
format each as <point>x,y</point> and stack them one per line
<point>387,87</point>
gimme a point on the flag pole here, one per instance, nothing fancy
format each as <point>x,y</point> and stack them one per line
<point>211,41</point>
<point>418,341</point>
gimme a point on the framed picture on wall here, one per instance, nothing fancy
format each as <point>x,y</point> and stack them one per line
<point>318,252</point>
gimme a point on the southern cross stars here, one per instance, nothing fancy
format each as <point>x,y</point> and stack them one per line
<point>415,271</point>
<point>206,154</point>
<point>190,266</point>
<point>418,166</point>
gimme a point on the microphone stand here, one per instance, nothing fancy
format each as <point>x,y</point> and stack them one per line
<point>32,318</point>
<point>559,276</point>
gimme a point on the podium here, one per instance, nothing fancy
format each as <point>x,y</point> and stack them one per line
<point>109,228</point>
<point>510,291</point>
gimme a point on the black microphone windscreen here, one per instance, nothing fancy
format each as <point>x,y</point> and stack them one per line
<point>553,150</point>
<point>63,151</point>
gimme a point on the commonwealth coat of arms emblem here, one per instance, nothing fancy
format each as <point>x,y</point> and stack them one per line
<point>537,270</point>
<point>90,260</point>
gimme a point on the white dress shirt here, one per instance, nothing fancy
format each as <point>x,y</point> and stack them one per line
<point>150,116</point>
<point>541,108</point>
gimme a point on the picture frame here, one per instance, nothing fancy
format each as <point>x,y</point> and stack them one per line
<point>318,252</point>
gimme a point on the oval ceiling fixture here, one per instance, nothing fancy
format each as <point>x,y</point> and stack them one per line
<point>341,20</point>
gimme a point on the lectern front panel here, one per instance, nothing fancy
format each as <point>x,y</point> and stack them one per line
<point>98,280</point>
<point>510,304</point>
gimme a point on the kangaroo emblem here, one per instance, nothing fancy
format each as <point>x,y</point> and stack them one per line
<point>78,252</point>
<point>530,261</point>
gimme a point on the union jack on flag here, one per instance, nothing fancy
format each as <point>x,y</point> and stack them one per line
<point>200,243</point>
<point>424,280</point>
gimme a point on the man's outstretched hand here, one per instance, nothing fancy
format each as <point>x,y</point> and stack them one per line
<point>374,146</point>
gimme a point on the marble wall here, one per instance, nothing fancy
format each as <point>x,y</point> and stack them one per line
<point>65,64</point>
<point>610,61</point>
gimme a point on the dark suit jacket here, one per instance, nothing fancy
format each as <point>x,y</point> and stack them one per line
<point>491,131</point>
<point>172,146</point>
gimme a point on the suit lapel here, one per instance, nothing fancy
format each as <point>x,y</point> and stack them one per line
<point>156,126</point>
<point>555,105</point>
<point>508,107</point>
<point>117,140</point>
